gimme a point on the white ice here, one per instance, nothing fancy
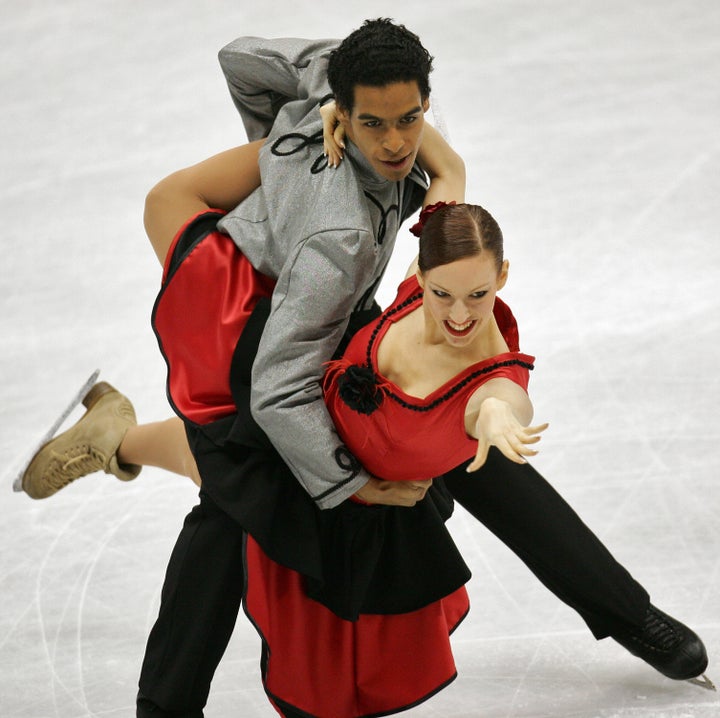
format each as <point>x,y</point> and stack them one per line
<point>590,129</point>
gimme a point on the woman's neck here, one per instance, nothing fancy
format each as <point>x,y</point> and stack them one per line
<point>483,345</point>
<point>415,360</point>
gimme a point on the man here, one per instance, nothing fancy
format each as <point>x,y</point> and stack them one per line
<point>322,237</point>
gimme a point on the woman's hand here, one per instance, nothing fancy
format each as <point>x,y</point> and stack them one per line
<point>333,134</point>
<point>498,426</point>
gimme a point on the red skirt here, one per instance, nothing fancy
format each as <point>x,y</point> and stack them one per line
<point>209,291</point>
<point>313,660</point>
<point>332,668</point>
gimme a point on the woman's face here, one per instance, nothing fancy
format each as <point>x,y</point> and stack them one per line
<point>459,298</point>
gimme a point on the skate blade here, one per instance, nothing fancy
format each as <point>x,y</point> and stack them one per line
<point>704,682</point>
<point>79,396</point>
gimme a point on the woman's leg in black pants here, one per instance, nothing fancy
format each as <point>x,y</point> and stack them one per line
<point>516,503</point>
<point>199,606</point>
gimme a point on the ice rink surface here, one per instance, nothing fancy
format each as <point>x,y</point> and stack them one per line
<point>590,130</point>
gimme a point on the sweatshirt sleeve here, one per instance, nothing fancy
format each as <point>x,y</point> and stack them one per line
<point>263,75</point>
<point>312,303</point>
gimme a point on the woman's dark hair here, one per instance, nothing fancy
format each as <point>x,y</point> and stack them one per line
<point>378,53</point>
<point>459,231</point>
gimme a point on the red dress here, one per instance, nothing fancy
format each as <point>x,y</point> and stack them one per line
<point>378,662</point>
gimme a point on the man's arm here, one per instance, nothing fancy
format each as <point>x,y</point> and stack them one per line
<point>312,302</point>
<point>263,75</point>
<point>220,182</point>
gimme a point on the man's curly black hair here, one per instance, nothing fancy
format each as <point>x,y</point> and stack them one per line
<point>378,53</point>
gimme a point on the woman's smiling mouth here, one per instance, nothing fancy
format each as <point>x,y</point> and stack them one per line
<point>459,330</point>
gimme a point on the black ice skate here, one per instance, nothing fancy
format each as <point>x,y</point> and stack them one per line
<point>669,647</point>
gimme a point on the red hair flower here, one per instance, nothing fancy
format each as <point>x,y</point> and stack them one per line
<point>417,228</point>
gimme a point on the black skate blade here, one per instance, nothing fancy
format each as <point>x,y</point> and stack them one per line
<point>79,396</point>
<point>704,682</point>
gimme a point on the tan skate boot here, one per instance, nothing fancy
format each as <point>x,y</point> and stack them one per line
<point>86,447</point>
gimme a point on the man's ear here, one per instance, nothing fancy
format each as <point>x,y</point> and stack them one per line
<point>343,115</point>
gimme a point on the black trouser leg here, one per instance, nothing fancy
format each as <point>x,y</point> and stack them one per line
<point>199,606</point>
<point>516,503</point>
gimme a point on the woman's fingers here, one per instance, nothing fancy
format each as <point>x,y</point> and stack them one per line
<point>514,443</point>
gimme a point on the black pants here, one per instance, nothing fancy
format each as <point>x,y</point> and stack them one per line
<point>526,513</point>
<point>199,605</point>
<point>204,582</point>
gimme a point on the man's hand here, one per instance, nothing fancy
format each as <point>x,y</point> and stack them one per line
<point>393,493</point>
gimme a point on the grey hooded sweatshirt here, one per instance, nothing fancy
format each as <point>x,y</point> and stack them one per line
<point>325,235</point>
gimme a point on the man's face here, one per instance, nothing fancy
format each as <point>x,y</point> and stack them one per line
<point>386,124</point>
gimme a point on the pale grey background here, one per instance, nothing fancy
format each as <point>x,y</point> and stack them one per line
<point>589,129</point>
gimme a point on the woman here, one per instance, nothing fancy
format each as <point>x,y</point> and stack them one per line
<point>364,579</point>
<point>430,384</point>
<point>466,362</point>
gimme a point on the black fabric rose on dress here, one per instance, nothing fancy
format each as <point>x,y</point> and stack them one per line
<point>358,388</point>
